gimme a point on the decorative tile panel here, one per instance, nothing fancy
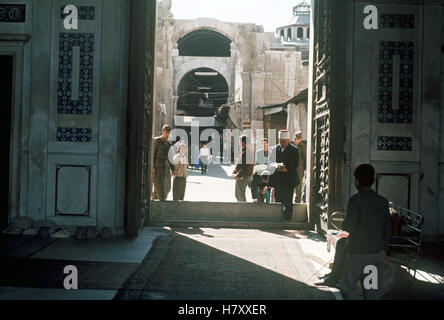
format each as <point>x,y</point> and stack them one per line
<point>12,13</point>
<point>399,21</point>
<point>85,12</point>
<point>403,114</point>
<point>65,104</point>
<point>395,143</point>
<point>73,135</point>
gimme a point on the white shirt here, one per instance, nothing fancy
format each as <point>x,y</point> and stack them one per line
<point>204,151</point>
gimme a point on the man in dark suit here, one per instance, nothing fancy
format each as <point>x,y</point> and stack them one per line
<point>287,157</point>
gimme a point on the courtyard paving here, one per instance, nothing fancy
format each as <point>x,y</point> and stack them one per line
<point>215,186</point>
<point>193,263</point>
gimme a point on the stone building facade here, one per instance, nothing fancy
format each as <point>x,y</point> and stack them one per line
<point>256,67</point>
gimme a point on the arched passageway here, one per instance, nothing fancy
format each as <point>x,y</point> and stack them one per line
<point>204,43</point>
<point>201,92</point>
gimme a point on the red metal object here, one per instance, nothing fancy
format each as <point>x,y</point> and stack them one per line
<point>333,236</point>
<point>396,219</point>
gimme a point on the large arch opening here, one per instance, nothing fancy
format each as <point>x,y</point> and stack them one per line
<point>202,92</point>
<point>212,80</point>
<point>204,43</point>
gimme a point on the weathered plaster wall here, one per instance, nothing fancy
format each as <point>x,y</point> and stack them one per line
<point>285,76</point>
<point>250,72</point>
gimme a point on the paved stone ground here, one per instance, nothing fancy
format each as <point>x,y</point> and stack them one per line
<point>36,273</point>
<point>196,264</point>
<point>428,283</point>
<point>215,186</point>
<point>225,264</point>
<point>32,268</point>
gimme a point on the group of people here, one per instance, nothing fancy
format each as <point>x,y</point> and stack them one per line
<point>178,167</point>
<point>367,221</point>
<point>163,168</point>
<point>280,168</point>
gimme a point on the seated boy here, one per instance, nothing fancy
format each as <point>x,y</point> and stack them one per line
<point>368,223</point>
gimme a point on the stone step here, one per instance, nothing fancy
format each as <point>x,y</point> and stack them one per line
<point>211,214</point>
<point>229,224</point>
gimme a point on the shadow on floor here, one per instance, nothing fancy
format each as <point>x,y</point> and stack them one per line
<point>406,287</point>
<point>35,273</point>
<point>297,234</point>
<point>180,268</point>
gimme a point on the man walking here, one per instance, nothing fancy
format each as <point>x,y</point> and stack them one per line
<point>204,157</point>
<point>287,158</point>
<point>243,173</point>
<point>161,164</point>
<point>262,154</point>
<point>302,165</point>
<point>257,185</point>
<point>369,226</point>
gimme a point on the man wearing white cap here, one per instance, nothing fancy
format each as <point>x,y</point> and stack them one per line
<point>287,178</point>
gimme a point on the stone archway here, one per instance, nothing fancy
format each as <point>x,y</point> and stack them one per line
<point>242,35</point>
<point>221,65</point>
<point>202,95</point>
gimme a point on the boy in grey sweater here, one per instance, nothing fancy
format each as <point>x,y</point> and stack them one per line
<point>368,223</point>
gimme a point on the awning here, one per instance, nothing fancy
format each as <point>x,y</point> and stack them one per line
<point>183,121</point>
<point>273,110</point>
<point>301,97</point>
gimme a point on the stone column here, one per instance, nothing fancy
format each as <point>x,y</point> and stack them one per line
<point>258,99</point>
<point>429,185</point>
<point>39,117</point>
<point>246,98</point>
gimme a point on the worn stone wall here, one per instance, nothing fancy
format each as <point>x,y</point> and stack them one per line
<point>285,75</point>
<point>256,74</point>
<point>163,91</point>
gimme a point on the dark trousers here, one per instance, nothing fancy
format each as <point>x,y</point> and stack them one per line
<point>284,195</point>
<point>204,164</point>
<point>255,186</point>
<point>159,185</point>
<point>340,258</point>
<point>354,271</point>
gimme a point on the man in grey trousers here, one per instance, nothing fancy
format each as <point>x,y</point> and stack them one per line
<point>368,223</point>
<point>243,174</point>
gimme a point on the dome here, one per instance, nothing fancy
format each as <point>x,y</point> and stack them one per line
<point>302,8</point>
<point>301,15</point>
<point>300,20</point>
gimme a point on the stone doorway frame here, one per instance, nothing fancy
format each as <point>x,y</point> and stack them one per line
<point>13,46</point>
<point>142,28</point>
<point>140,120</point>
